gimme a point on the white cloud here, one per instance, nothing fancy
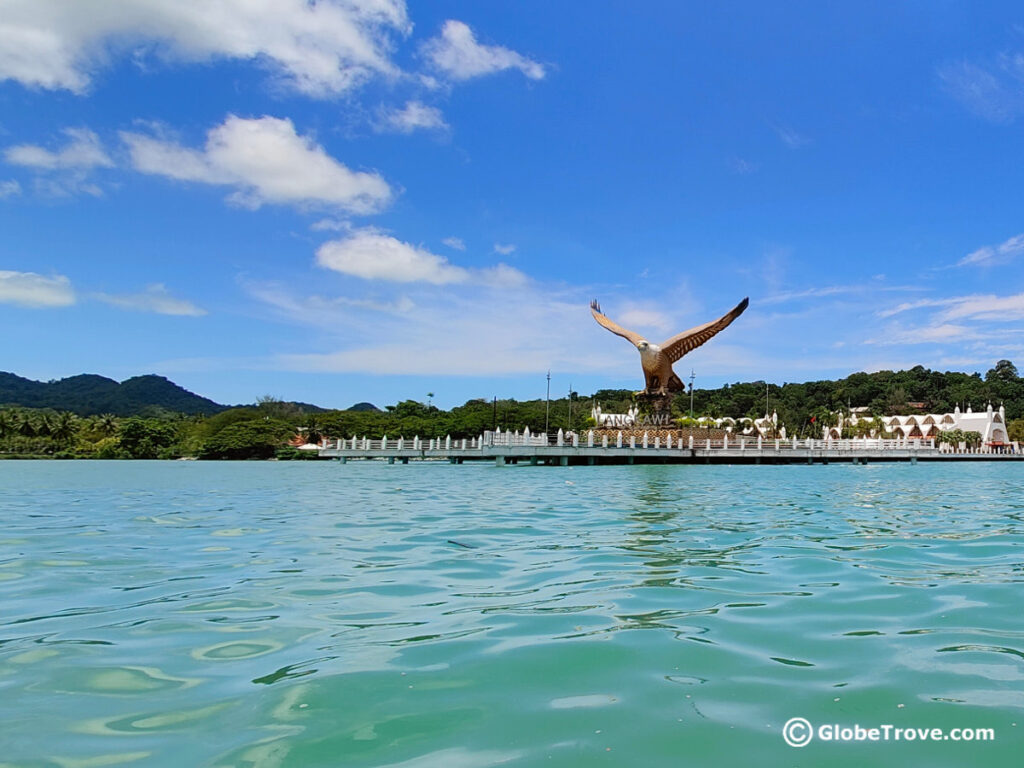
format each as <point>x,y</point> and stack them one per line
<point>992,91</point>
<point>908,306</point>
<point>65,170</point>
<point>330,225</point>
<point>457,54</point>
<point>28,289</point>
<point>266,161</point>
<point>639,317</point>
<point>413,116</point>
<point>992,255</point>
<point>990,307</point>
<point>742,167</point>
<point>156,298</point>
<point>982,307</point>
<point>454,242</point>
<point>929,334</point>
<point>504,249</point>
<point>373,255</point>
<point>319,49</point>
<point>791,138</point>
<point>322,311</point>
<point>437,338</point>
<point>10,188</point>
<point>83,151</point>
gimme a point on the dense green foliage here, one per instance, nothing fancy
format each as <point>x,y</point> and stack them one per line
<point>263,430</point>
<point>88,395</point>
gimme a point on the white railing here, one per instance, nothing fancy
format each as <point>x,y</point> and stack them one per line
<point>650,442</point>
<point>653,443</point>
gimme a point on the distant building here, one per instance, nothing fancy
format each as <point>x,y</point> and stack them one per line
<point>990,424</point>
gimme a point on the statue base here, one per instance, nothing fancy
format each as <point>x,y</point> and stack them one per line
<point>655,409</point>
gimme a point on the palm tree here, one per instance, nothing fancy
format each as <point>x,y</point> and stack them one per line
<point>64,426</point>
<point>314,430</point>
<point>43,427</point>
<point>6,425</point>
<point>25,427</point>
<point>107,424</point>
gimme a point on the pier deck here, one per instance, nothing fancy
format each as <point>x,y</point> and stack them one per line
<point>503,449</point>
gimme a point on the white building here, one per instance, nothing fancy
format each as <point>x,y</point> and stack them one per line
<point>990,424</point>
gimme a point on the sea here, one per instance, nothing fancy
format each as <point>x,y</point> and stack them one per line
<point>438,616</point>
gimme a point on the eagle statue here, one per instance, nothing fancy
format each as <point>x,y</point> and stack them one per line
<point>656,359</point>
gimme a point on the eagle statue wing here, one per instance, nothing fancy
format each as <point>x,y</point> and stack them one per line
<point>687,341</point>
<point>611,325</point>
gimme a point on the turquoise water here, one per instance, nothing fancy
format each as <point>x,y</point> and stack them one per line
<point>297,614</point>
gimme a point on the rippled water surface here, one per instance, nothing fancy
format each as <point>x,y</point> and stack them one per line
<point>294,614</point>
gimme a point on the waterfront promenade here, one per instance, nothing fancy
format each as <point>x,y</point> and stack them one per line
<point>592,448</point>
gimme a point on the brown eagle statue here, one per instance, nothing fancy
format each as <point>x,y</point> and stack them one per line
<point>657,360</point>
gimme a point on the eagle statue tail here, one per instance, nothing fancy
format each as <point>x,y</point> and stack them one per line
<point>674,384</point>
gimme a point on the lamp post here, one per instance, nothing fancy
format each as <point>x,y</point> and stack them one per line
<point>570,406</point>
<point>547,405</point>
<point>692,377</point>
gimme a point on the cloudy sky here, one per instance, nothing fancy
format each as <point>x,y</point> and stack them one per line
<point>371,199</point>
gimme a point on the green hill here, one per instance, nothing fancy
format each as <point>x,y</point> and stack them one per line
<point>89,394</point>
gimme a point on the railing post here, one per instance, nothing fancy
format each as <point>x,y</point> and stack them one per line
<point>575,440</point>
<point>604,440</point>
<point>590,438</point>
<point>759,442</point>
<point>668,441</point>
<point>657,441</point>
<point>644,443</point>
<point>618,440</point>
<point>560,438</point>
<point>709,444</point>
<point>401,443</point>
<point>632,441</point>
<point>690,442</point>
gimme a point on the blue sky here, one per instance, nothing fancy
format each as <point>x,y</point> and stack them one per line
<point>373,200</point>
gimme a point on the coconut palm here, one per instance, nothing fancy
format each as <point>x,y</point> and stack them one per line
<point>25,426</point>
<point>64,426</point>
<point>106,423</point>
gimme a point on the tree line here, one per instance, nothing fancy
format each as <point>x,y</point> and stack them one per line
<point>264,430</point>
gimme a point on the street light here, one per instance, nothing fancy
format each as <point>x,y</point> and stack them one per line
<point>547,404</point>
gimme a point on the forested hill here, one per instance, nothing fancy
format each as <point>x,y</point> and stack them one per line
<point>915,390</point>
<point>89,394</point>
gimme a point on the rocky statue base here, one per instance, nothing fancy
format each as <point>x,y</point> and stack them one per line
<point>655,410</point>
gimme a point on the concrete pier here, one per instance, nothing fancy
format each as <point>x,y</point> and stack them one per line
<point>503,449</point>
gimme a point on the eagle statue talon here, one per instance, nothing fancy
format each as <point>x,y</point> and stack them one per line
<point>656,360</point>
